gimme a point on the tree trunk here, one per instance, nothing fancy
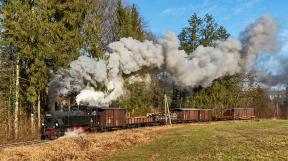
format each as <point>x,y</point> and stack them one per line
<point>39,111</point>
<point>32,118</point>
<point>8,119</point>
<point>16,99</point>
<point>8,106</point>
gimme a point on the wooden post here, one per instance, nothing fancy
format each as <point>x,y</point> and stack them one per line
<point>169,114</point>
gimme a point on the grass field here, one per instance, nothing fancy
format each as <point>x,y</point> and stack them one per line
<point>251,140</point>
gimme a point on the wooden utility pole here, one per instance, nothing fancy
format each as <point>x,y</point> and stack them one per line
<point>167,111</point>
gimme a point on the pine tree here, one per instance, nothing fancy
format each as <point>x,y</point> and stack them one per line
<point>190,36</point>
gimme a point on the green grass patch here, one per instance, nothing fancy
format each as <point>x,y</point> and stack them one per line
<point>249,140</point>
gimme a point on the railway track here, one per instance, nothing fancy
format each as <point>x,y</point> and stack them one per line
<point>22,143</point>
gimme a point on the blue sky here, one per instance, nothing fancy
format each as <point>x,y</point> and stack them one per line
<point>172,15</point>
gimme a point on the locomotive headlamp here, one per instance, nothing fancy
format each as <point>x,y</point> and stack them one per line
<point>42,124</point>
<point>56,124</point>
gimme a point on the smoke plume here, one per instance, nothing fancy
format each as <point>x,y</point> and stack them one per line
<point>127,56</point>
<point>203,65</point>
<point>259,38</point>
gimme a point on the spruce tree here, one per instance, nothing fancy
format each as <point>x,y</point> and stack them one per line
<point>129,23</point>
<point>136,24</point>
<point>123,26</point>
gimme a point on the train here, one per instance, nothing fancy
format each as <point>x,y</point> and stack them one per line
<point>98,119</point>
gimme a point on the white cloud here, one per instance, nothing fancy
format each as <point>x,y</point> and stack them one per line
<point>202,8</point>
<point>245,5</point>
<point>174,11</point>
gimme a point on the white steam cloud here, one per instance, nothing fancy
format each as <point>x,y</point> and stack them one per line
<point>75,132</point>
<point>128,56</point>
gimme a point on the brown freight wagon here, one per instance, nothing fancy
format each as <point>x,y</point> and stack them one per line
<point>240,113</point>
<point>205,114</point>
<point>187,115</point>
<point>111,117</point>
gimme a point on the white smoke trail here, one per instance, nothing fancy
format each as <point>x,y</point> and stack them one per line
<point>128,56</point>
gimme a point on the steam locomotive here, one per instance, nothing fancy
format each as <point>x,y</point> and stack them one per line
<point>96,119</point>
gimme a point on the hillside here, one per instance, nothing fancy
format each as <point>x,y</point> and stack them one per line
<point>245,140</point>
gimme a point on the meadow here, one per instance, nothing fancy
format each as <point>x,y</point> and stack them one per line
<point>248,140</point>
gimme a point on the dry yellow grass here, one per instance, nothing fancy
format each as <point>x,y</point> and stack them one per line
<point>91,147</point>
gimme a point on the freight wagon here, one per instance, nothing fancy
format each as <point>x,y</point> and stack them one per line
<point>240,113</point>
<point>108,118</point>
<point>190,115</point>
<point>186,115</point>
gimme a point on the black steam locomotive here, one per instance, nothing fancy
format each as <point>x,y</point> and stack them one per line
<point>94,119</point>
